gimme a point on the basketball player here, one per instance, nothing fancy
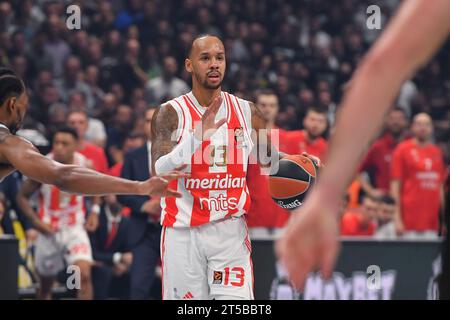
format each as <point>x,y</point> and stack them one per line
<point>60,221</point>
<point>19,154</point>
<point>413,35</point>
<point>205,246</point>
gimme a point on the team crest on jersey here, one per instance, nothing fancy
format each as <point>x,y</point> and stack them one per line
<point>217,277</point>
<point>239,137</point>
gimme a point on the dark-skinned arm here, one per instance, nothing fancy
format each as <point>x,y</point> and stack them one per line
<point>21,154</point>
<point>164,124</point>
<point>28,188</point>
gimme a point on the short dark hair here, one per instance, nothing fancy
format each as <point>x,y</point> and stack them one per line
<point>398,109</point>
<point>316,109</point>
<point>189,47</point>
<point>264,92</point>
<point>66,129</point>
<point>10,84</point>
<point>78,110</point>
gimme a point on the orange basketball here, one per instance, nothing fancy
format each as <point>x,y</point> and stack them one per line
<point>290,184</point>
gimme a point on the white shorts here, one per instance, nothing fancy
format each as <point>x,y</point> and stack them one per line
<point>207,262</point>
<point>67,245</point>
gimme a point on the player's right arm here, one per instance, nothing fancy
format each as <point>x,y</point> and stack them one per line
<point>21,154</point>
<point>412,37</point>
<point>164,124</point>
<point>28,188</point>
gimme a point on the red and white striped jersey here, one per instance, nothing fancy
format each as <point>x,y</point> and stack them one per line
<point>58,208</point>
<point>217,187</point>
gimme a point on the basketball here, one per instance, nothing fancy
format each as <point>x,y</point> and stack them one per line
<point>290,184</point>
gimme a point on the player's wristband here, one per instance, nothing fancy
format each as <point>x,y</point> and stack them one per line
<point>117,257</point>
<point>95,209</point>
<point>180,155</point>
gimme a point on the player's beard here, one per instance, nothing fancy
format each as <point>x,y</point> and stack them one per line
<point>204,82</point>
<point>312,135</point>
<point>14,127</point>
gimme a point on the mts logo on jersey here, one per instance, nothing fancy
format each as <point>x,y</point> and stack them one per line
<point>220,203</point>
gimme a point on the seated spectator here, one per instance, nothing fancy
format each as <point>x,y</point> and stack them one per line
<point>360,222</point>
<point>385,219</point>
<point>79,121</point>
<point>145,229</point>
<point>133,141</point>
<point>71,82</point>
<point>264,212</point>
<point>117,132</point>
<point>110,249</point>
<point>310,139</point>
<point>96,132</point>
<point>167,85</point>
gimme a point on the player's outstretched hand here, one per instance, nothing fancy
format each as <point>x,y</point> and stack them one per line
<point>209,125</point>
<point>310,241</point>
<point>159,185</point>
<point>315,159</point>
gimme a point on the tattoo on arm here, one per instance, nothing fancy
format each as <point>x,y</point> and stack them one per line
<point>164,124</point>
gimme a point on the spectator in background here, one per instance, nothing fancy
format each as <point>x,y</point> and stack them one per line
<point>96,132</point>
<point>91,78</point>
<point>417,178</point>
<point>406,95</point>
<point>310,139</point>
<point>264,212</point>
<point>378,159</point>
<point>167,85</point>
<point>110,248</point>
<point>55,47</point>
<point>79,121</point>
<point>57,117</point>
<point>71,81</point>
<point>130,72</point>
<point>117,132</point>
<point>108,108</point>
<point>145,230</point>
<point>45,96</point>
<point>133,141</point>
<point>361,222</point>
<point>385,219</point>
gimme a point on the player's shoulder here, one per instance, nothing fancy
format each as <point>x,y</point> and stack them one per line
<point>9,142</point>
<point>236,99</point>
<point>405,145</point>
<point>434,149</point>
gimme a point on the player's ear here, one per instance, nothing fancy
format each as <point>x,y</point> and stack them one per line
<point>10,104</point>
<point>188,65</point>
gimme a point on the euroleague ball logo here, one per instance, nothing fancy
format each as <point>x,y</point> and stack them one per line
<point>291,205</point>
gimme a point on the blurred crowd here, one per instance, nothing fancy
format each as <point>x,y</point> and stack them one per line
<point>293,58</point>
